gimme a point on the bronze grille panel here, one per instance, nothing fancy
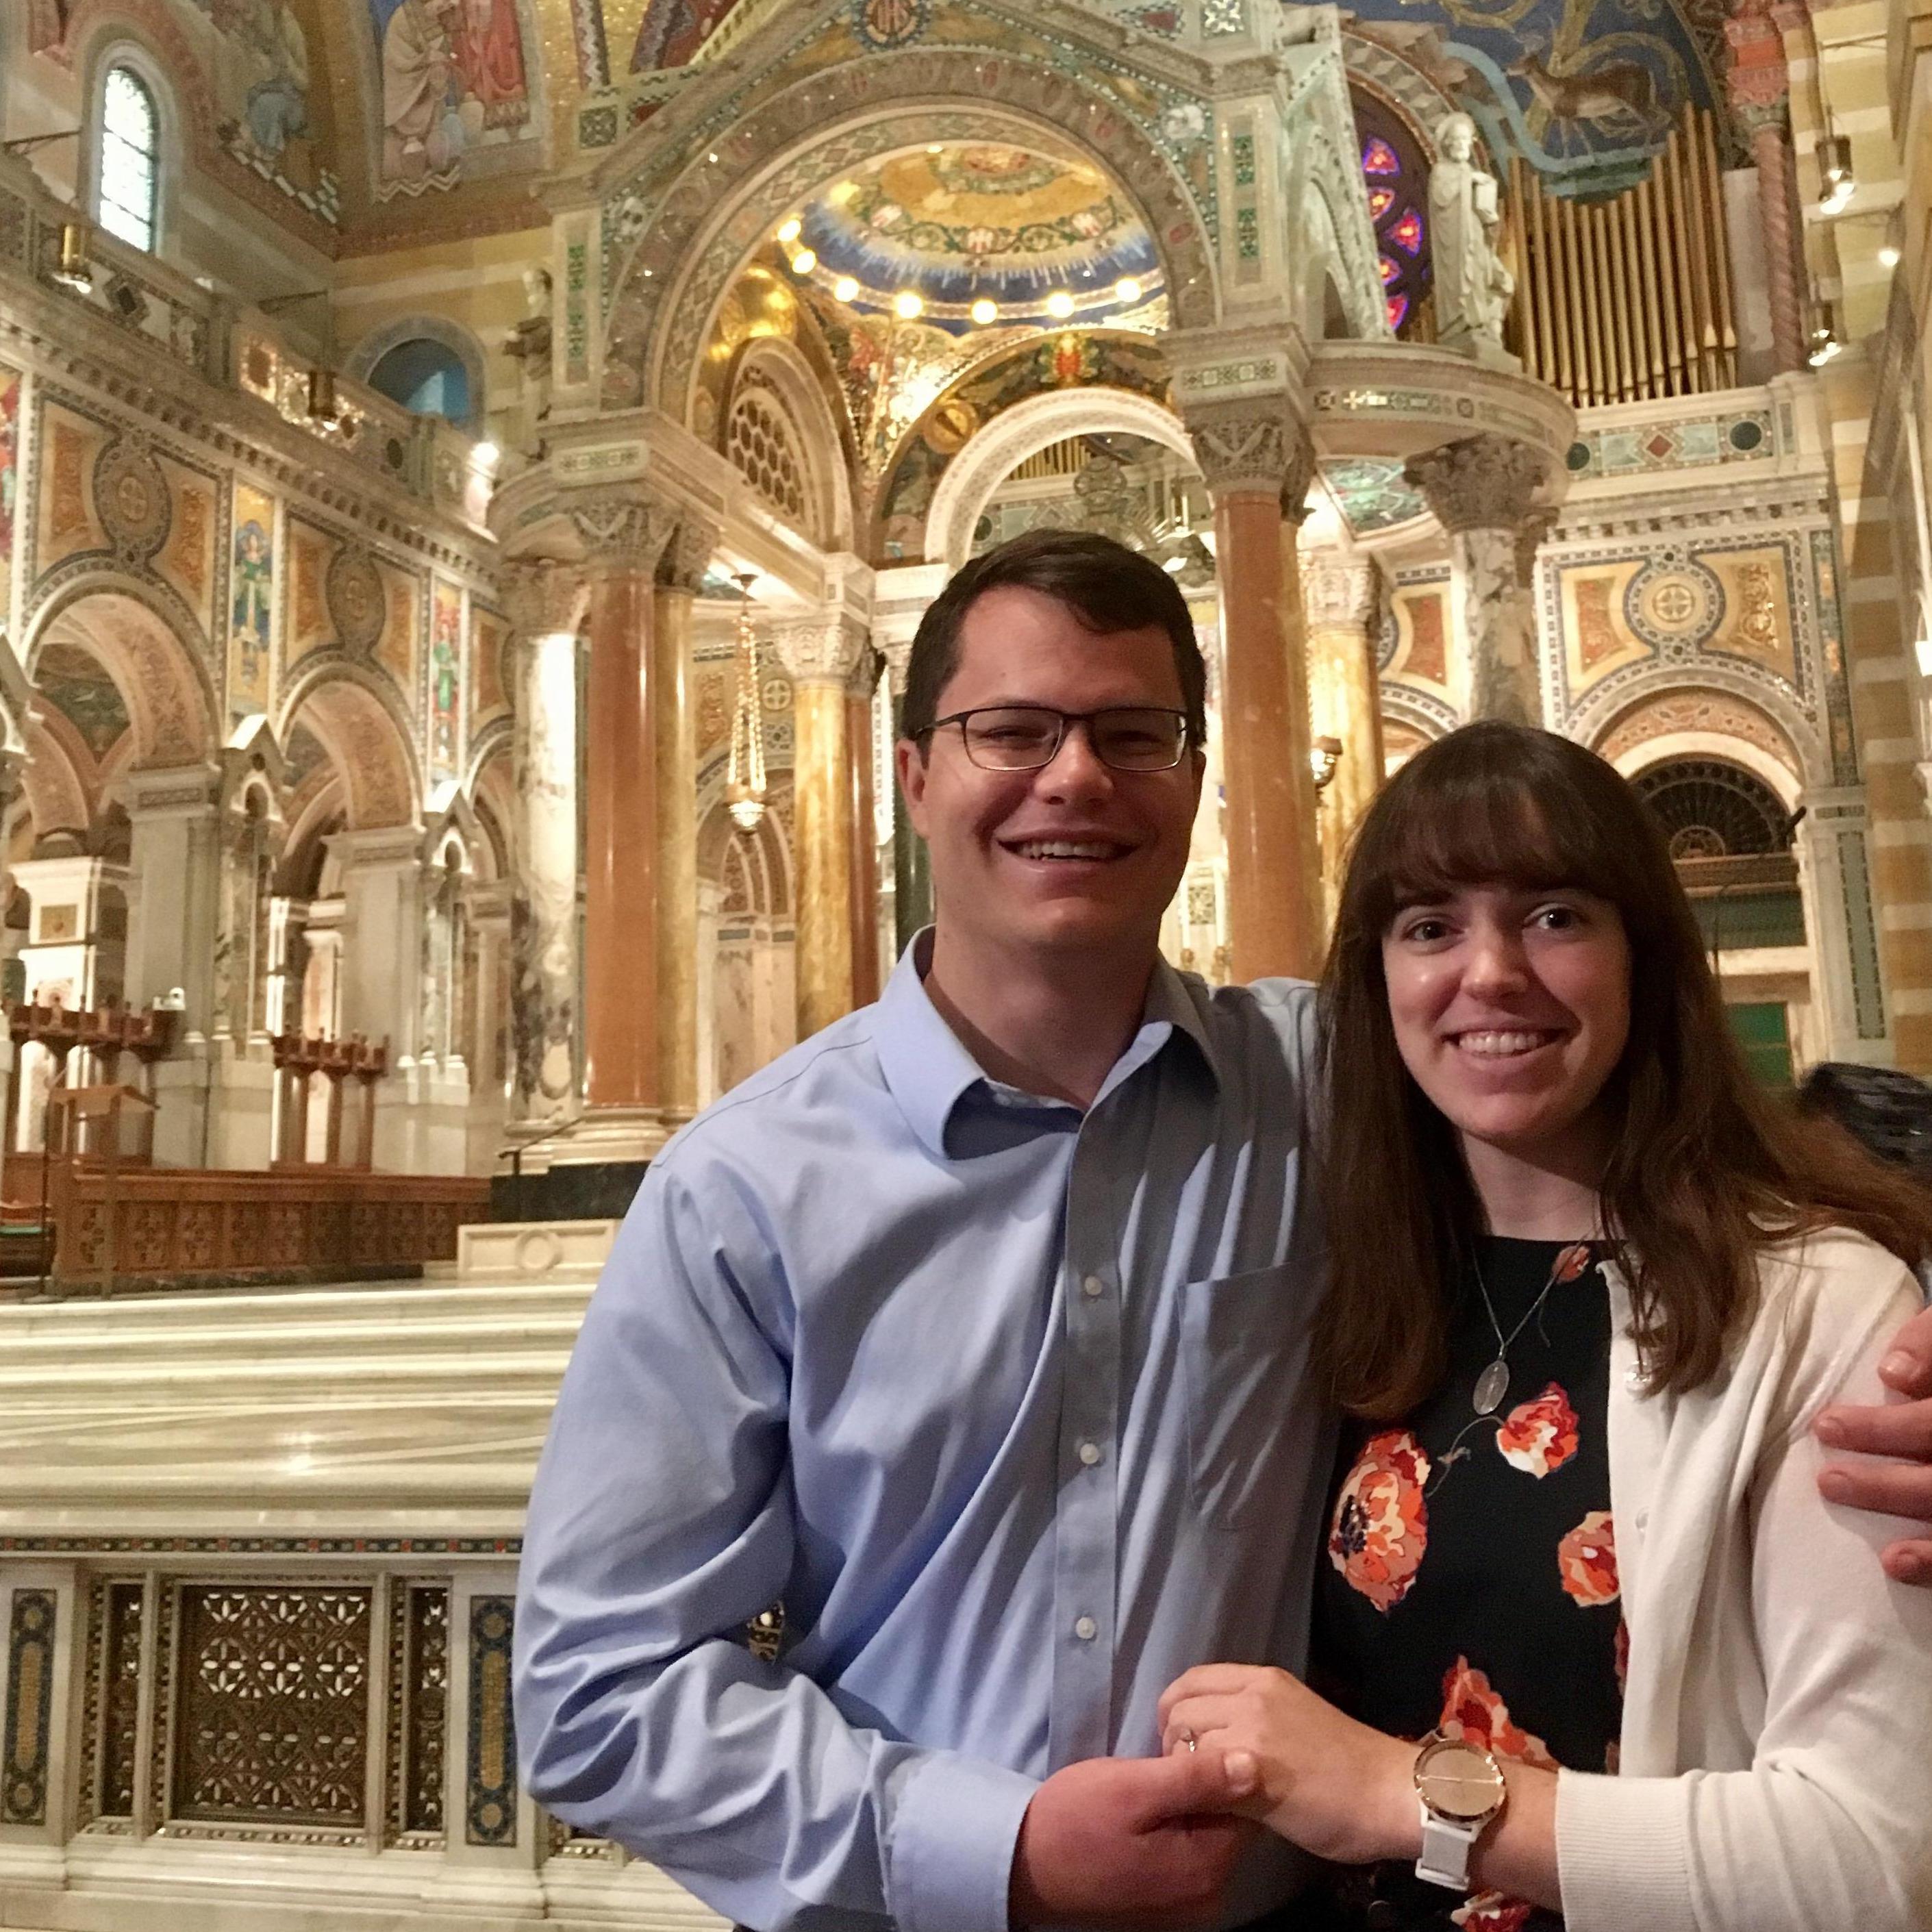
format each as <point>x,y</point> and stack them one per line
<point>120,1699</point>
<point>272,1708</point>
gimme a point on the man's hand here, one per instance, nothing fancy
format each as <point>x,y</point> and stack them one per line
<point>1902,1430</point>
<point>1129,1844</point>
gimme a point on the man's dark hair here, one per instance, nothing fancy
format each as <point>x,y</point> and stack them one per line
<point>1108,587</point>
<point>1884,1109</point>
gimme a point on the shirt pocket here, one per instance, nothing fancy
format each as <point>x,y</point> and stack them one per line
<point>1243,1356</point>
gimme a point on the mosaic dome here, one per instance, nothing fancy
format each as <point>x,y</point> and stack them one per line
<point>956,225</point>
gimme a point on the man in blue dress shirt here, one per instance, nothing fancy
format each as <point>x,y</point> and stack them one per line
<point>975,1329</point>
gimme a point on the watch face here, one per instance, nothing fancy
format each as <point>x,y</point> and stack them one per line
<point>1456,1780</point>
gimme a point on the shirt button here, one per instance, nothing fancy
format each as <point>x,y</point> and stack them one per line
<point>1093,1288</point>
<point>1086,1629</point>
<point>1643,1519</point>
<point>1090,1454</point>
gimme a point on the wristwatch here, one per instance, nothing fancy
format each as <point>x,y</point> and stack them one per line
<point>1460,1788</point>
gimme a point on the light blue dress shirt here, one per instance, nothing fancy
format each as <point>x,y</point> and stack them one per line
<point>1008,1404</point>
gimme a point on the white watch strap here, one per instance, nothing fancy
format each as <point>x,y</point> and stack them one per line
<point>1446,1846</point>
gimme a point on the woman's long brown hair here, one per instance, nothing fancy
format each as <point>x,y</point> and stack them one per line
<point>1706,1168</point>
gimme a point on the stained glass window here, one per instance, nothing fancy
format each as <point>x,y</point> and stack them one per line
<point>130,158</point>
<point>1397,179</point>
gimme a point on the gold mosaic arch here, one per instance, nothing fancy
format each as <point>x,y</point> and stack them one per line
<point>683,259</point>
<point>367,742</point>
<point>163,682</point>
<point>1695,711</point>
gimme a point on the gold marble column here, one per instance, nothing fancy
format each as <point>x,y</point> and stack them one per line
<point>1258,464</point>
<point>824,656</point>
<point>1483,491</point>
<point>679,575</point>
<point>1340,596</point>
<point>625,535</point>
<point>865,898</point>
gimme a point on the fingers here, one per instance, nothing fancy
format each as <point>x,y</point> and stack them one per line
<point>1896,1428</point>
<point>1909,1563</point>
<point>1907,1366</point>
<point>1191,1783</point>
<point>1195,1717</point>
<point>1208,1680</point>
<point>1887,1488</point>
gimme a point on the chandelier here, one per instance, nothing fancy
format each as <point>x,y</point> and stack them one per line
<point>745,776</point>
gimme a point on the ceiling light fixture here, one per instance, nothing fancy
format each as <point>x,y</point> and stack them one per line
<point>74,270</point>
<point>789,232</point>
<point>908,305</point>
<point>845,288</point>
<point>1059,304</point>
<point>985,312</point>
<point>804,261</point>
<point>745,772</point>
<point>1835,167</point>
<point>1127,289</point>
<point>1823,343</point>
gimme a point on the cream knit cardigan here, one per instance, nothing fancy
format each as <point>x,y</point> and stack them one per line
<point>1775,1768</point>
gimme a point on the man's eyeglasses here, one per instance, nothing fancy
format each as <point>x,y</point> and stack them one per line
<point>1026,737</point>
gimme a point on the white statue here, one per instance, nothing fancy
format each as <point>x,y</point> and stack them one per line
<point>1472,287</point>
<point>529,344</point>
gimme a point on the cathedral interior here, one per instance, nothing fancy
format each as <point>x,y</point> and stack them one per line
<point>470,474</point>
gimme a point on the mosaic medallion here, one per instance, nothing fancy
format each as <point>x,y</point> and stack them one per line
<point>131,497</point>
<point>1674,605</point>
<point>355,600</point>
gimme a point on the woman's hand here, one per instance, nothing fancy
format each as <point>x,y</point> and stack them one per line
<point>1335,1787</point>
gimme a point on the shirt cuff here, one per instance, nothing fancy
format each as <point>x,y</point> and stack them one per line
<point>954,1828</point>
<point>1623,1853</point>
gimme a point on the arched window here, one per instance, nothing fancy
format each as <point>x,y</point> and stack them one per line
<point>1398,185</point>
<point>427,377</point>
<point>131,155</point>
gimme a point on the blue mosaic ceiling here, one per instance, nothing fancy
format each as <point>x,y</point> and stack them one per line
<point>958,225</point>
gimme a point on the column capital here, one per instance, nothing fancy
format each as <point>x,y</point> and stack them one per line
<point>691,546</point>
<point>178,791</point>
<point>625,528</point>
<point>390,848</point>
<point>543,598</point>
<point>1339,592</point>
<point>834,649</point>
<point>1481,482</point>
<point>1258,443</point>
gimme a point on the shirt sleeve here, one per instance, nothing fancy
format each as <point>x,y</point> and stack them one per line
<point>660,1522</point>
<point>1828,1825</point>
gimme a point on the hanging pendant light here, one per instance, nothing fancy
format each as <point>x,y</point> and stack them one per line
<point>745,775</point>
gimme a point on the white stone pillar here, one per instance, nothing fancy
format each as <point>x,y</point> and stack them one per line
<point>1483,491</point>
<point>1832,844</point>
<point>547,605</point>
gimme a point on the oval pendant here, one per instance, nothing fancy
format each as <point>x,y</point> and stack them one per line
<point>1492,1385</point>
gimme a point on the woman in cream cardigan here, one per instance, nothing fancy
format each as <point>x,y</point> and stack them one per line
<point>1597,1653</point>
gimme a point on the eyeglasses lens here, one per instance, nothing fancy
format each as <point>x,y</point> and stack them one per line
<point>1020,739</point>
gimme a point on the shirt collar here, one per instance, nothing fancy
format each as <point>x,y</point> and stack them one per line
<point>929,1071</point>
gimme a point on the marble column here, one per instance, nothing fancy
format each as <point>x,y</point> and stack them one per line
<point>827,658</point>
<point>865,897</point>
<point>679,575</point>
<point>1341,597</point>
<point>1258,465</point>
<point>1483,491</point>
<point>626,536</point>
<point>547,604</point>
<point>1759,83</point>
<point>901,594</point>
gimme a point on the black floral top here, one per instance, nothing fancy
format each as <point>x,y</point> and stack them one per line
<point>1471,1583</point>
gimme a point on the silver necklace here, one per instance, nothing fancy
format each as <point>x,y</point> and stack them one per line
<point>1492,1385</point>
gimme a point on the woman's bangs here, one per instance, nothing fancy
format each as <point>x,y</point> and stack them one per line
<point>1487,828</point>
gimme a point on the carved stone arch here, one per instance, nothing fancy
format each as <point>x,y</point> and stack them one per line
<point>1029,427</point>
<point>1399,84</point>
<point>491,743</point>
<point>51,784</point>
<point>1721,703</point>
<point>453,828</point>
<point>763,853</point>
<point>492,786</point>
<point>163,680</point>
<point>1690,721</point>
<point>684,242</point>
<point>1326,185</point>
<point>461,342</point>
<point>353,716</point>
<point>775,396</point>
<point>1403,714</point>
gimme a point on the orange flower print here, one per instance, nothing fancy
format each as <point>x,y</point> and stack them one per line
<point>1572,1261</point>
<point>1381,1529</point>
<point>1472,1709</point>
<point>1492,1912</point>
<point>1539,1436</point>
<point>1587,1560</point>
